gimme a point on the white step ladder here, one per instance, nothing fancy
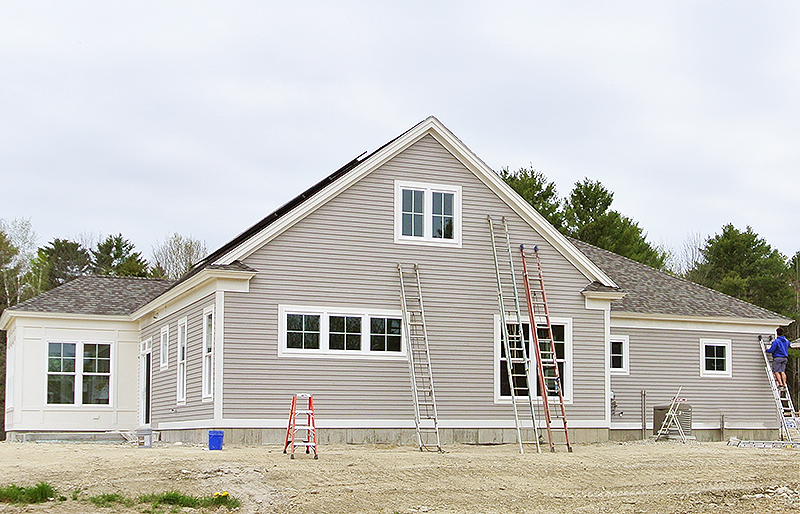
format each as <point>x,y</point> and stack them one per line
<point>671,420</point>
<point>415,330</point>
<point>787,415</point>
<point>515,342</point>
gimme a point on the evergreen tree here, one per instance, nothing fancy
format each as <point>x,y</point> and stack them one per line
<point>743,265</point>
<point>534,187</point>
<point>115,256</point>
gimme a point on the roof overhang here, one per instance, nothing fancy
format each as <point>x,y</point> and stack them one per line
<point>235,280</point>
<point>9,316</point>
<point>604,295</point>
<point>433,127</point>
<point>674,321</point>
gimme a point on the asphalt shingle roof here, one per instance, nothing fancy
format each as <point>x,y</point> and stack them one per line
<point>98,295</point>
<point>650,291</point>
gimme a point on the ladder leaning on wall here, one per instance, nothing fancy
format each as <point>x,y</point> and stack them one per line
<point>514,345</point>
<point>787,416</point>
<point>550,381</point>
<point>415,331</point>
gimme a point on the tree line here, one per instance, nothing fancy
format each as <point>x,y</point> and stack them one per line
<point>736,262</point>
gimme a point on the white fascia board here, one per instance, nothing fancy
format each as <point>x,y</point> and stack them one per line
<point>675,322</point>
<point>10,315</point>
<point>430,126</point>
<point>227,280</point>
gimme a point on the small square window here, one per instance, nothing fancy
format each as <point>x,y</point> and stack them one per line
<point>715,358</point>
<point>345,333</point>
<point>385,335</point>
<point>618,356</point>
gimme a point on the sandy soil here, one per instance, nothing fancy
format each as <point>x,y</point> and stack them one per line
<point>638,477</point>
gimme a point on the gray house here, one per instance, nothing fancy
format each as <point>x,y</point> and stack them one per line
<point>308,300</point>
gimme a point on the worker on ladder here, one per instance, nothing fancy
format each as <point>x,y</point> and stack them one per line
<point>780,355</point>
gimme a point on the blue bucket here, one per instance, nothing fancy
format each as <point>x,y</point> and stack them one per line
<point>215,439</point>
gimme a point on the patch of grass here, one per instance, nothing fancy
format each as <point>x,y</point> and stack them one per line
<point>179,499</point>
<point>38,493</point>
<point>107,500</point>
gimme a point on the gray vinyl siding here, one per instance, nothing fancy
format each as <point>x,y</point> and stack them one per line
<point>165,407</point>
<point>662,360</point>
<point>344,255</point>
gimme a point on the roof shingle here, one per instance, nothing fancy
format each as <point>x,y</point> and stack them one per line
<point>650,291</point>
<point>97,295</point>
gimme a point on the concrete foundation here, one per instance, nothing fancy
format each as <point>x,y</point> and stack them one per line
<point>401,437</point>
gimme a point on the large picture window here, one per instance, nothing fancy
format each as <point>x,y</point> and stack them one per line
<point>78,373</point>
<point>562,337</point>
<point>427,213</point>
<point>319,331</point>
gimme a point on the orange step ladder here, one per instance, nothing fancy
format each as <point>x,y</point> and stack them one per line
<point>307,425</point>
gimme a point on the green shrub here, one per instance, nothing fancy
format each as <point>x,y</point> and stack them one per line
<point>39,493</point>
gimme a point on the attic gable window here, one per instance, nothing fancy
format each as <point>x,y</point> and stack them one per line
<point>427,213</point>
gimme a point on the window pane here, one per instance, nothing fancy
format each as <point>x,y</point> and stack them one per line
<point>448,204</point>
<point>294,340</point>
<point>377,343</point>
<point>353,325</point>
<point>336,342</point>
<point>448,228</point>
<point>68,350</point>
<point>337,323</point>
<point>53,365</point>
<point>616,361</point>
<point>393,344</point>
<point>311,341</point>
<point>354,342</point>
<point>95,389</point>
<point>395,326</point>
<point>419,201</point>
<point>378,325</point>
<point>60,389</point>
<point>311,323</point>
<point>408,224</point>
<point>294,322</point>
<point>437,227</point>
<point>418,225</point>
<point>104,351</point>
<point>54,350</point>
<point>437,203</point>
<point>408,200</point>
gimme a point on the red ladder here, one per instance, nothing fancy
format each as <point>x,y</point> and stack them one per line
<point>309,427</point>
<point>545,349</point>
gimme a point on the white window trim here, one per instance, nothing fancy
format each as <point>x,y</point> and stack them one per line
<point>429,189</point>
<point>728,373</point>
<point>77,393</point>
<point>568,358</point>
<point>207,355</point>
<point>625,369</point>
<point>164,347</point>
<point>325,313</point>
<point>181,364</point>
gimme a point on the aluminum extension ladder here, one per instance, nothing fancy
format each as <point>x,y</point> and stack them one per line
<point>788,416</point>
<point>307,425</point>
<point>514,340</point>
<point>671,419</point>
<point>426,417</point>
<point>550,383</point>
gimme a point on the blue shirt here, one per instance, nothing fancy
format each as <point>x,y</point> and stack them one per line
<point>780,347</point>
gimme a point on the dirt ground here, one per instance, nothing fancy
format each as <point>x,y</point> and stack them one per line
<point>636,477</point>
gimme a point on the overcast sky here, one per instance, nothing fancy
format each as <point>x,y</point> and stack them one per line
<point>148,118</point>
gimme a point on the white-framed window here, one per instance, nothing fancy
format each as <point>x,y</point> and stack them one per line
<point>562,337</point>
<point>181,366</point>
<point>78,373</point>
<point>715,358</point>
<point>208,352</point>
<point>335,332</point>
<point>618,358</point>
<point>427,213</point>
<point>164,347</point>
